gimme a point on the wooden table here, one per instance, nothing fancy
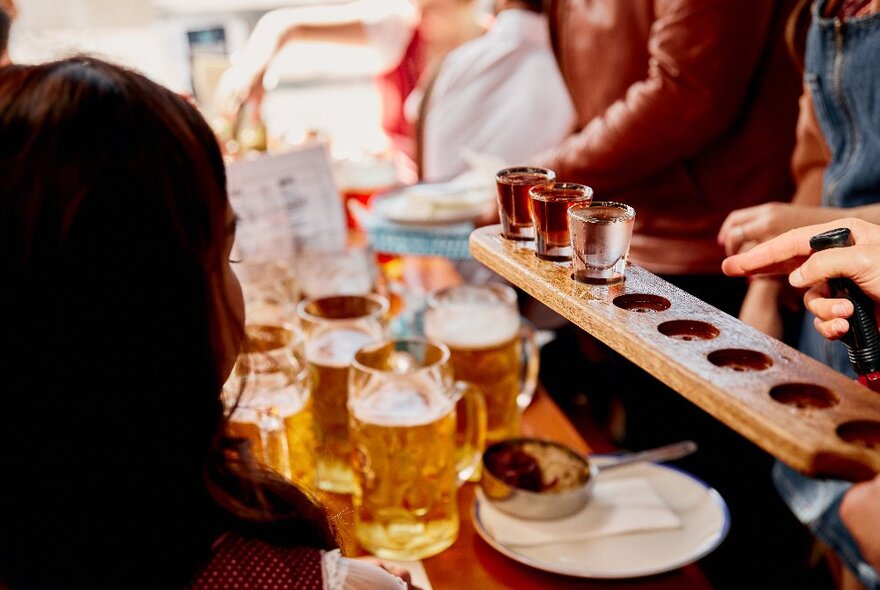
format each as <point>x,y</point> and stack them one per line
<point>472,564</point>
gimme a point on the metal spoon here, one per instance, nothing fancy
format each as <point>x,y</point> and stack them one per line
<point>659,454</point>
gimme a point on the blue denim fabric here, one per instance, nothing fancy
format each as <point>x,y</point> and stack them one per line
<point>816,503</point>
<point>842,70</point>
<point>843,73</point>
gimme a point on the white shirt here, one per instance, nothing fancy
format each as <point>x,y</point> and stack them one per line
<point>500,94</point>
<point>342,573</point>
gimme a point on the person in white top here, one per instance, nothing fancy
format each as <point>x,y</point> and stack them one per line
<point>500,94</point>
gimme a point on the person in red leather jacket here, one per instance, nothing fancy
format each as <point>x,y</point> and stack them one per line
<point>686,110</point>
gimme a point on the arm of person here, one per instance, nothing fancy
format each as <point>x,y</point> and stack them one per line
<point>760,306</point>
<point>694,89</point>
<point>745,228</point>
<point>387,24</point>
<point>344,573</point>
<point>860,512</point>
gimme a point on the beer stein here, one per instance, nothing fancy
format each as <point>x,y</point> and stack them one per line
<point>270,291</point>
<point>409,458</point>
<point>271,401</point>
<point>490,347</point>
<point>335,328</point>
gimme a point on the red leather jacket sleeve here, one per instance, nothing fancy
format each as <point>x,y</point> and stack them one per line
<point>703,56</point>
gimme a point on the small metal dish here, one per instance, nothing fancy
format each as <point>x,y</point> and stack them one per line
<point>546,505</point>
<point>550,504</point>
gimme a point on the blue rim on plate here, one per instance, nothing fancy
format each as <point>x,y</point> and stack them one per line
<point>695,554</point>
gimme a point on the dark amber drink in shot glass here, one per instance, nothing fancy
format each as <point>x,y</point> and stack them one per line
<point>513,199</point>
<point>550,205</point>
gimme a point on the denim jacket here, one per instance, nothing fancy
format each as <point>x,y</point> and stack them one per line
<point>843,75</point>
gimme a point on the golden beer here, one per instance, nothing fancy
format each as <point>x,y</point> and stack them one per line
<point>481,328</point>
<point>329,356</point>
<point>410,455</point>
<point>286,446</point>
<point>275,410</point>
<point>335,328</point>
<point>405,472</point>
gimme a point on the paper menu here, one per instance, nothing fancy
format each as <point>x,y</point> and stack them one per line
<point>283,199</point>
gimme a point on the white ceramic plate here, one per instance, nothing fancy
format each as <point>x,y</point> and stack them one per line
<point>432,204</point>
<point>704,517</point>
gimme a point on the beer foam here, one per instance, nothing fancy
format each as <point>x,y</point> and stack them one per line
<point>472,325</point>
<point>281,402</point>
<point>405,402</point>
<point>336,348</point>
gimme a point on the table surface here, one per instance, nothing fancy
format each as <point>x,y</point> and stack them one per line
<point>471,563</point>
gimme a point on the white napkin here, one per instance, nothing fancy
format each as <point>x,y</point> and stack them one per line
<point>618,506</point>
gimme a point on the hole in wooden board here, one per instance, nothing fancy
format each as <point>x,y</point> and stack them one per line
<point>740,359</point>
<point>864,433</point>
<point>804,395</point>
<point>642,303</point>
<point>688,330</point>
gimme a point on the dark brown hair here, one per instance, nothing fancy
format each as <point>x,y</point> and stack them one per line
<point>113,222</point>
<point>796,31</point>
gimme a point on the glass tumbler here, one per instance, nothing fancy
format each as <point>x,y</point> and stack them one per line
<point>514,207</point>
<point>550,205</point>
<point>600,239</point>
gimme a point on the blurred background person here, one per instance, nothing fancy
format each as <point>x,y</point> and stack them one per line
<point>8,13</point>
<point>411,38</point>
<point>500,94</point>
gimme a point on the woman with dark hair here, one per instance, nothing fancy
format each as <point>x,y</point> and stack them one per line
<point>123,321</point>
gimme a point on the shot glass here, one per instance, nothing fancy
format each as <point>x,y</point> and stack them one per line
<point>550,205</point>
<point>600,238</point>
<point>514,207</point>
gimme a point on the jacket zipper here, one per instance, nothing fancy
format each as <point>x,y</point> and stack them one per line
<point>839,26</point>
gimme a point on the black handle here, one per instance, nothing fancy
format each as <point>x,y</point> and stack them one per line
<point>862,339</point>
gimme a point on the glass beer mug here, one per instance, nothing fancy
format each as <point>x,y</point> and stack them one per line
<point>335,328</point>
<point>409,459</point>
<point>490,347</point>
<point>270,291</point>
<point>272,402</point>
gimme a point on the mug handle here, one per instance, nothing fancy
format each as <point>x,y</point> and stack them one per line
<point>470,434</point>
<point>271,448</point>
<point>273,436</point>
<point>529,377</point>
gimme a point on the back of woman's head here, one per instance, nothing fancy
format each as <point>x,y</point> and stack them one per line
<point>113,217</point>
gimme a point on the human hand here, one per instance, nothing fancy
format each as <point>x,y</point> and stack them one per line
<point>399,572</point>
<point>860,512</point>
<point>791,252</point>
<point>243,81</point>
<point>745,228</point>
